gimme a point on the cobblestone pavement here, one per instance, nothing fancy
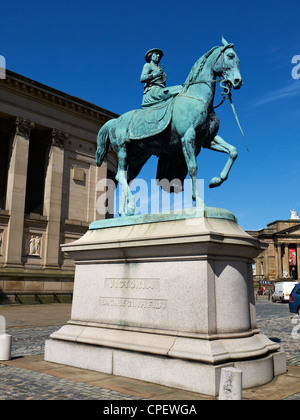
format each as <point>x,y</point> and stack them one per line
<point>28,341</point>
<point>281,326</point>
<point>21,384</point>
<point>274,320</point>
<point>295,397</point>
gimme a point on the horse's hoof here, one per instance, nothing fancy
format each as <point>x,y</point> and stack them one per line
<point>215,182</point>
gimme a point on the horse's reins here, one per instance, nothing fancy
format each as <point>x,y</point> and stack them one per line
<point>226,94</point>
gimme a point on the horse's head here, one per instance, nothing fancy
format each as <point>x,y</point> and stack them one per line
<point>227,66</point>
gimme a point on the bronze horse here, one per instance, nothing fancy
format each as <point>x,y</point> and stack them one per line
<point>194,124</point>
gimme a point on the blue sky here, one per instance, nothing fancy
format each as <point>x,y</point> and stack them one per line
<point>95,50</point>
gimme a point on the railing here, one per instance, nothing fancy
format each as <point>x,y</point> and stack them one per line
<point>36,297</point>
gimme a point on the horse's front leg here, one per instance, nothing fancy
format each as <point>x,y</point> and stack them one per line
<point>188,142</point>
<point>220,145</point>
<point>126,195</point>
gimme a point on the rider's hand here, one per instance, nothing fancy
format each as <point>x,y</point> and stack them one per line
<point>157,73</point>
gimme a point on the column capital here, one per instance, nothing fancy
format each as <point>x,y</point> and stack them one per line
<point>58,137</point>
<point>24,127</point>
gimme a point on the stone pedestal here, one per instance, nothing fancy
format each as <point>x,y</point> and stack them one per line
<point>167,299</point>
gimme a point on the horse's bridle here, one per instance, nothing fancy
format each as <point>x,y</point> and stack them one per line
<point>225,87</point>
<point>227,90</point>
<point>214,80</point>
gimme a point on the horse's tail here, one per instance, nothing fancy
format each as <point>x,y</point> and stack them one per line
<point>103,142</point>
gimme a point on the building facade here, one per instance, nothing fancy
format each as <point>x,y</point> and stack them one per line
<point>281,260</point>
<point>48,183</point>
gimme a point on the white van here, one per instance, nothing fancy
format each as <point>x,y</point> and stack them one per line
<point>283,290</point>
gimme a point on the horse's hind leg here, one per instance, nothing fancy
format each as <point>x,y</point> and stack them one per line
<point>127,197</point>
<point>221,145</point>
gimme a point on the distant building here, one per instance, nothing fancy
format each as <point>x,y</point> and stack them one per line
<point>282,258</point>
<point>48,180</point>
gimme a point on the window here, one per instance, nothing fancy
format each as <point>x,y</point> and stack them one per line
<point>39,147</point>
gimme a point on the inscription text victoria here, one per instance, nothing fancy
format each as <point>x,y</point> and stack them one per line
<point>119,284</point>
<point>132,284</point>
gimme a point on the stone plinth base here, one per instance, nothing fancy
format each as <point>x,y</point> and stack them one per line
<point>169,302</point>
<point>174,372</point>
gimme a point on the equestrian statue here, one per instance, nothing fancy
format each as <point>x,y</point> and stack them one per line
<point>173,124</point>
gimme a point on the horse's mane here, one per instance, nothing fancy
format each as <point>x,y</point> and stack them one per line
<point>197,68</point>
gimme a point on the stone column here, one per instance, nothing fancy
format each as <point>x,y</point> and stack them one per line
<point>53,199</point>
<point>279,261</point>
<point>285,259</point>
<point>16,191</point>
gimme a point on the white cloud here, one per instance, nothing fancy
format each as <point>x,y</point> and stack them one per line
<point>285,92</point>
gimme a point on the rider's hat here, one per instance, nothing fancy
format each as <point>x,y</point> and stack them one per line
<point>149,53</point>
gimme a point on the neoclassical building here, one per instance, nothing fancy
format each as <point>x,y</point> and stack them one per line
<point>48,184</point>
<point>281,260</point>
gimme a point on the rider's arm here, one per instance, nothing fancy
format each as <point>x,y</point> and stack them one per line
<point>146,75</point>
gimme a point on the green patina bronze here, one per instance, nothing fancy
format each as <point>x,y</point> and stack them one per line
<point>174,124</point>
<point>209,212</point>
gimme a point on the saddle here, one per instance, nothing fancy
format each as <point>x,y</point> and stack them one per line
<point>150,121</point>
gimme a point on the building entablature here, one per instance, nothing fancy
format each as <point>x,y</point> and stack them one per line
<point>41,92</point>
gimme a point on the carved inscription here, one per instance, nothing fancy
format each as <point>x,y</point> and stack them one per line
<point>133,303</point>
<point>138,284</point>
<point>129,284</point>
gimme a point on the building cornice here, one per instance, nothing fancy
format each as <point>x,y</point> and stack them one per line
<point>293,221</point>
<point>52,95</point>
<point>281,234</point>
<point>288,230</point>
